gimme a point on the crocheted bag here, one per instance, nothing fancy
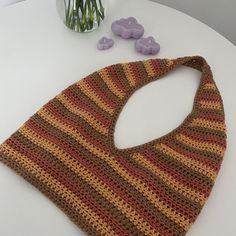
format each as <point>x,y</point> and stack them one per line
<point>67,151</point>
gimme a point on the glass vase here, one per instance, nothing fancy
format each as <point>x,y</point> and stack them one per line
<point>81,15</point>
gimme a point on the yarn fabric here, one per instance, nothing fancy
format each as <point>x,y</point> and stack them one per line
<point>67,151</point>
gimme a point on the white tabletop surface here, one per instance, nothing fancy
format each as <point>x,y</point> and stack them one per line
<point>39,57</point>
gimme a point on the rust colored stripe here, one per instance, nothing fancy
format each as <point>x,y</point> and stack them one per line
<point>172,182</point>
<point>76,121</point>
<point>114,177</point>
<point>61,189</point>
<point>163,191</point>
<point>117,80</point>
<point>183,173</point>
<point>141,224</point>
<point>209,124</point>
<point>212,97</point>
<point>108,210</point>
<point>73,177</point>
<point>80,130</point>
<point>110,83</point>
<point>71,186</point>
<point>104,89</point>
<point>71,212</point>
<point>104,96</point>
<point>79,99</point>
<point>153,198</point>
<point>206,164</point>
<point>88,117</point>
<point>120,76</point>
<point>214,159</point>
<point>205,146</point>
<point>90,93</point>
<point>200,135</point>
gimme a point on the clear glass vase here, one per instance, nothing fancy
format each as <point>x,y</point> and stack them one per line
<point>81,15</point>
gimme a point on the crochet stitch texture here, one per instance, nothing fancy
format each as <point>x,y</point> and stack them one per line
<point>67,151</point>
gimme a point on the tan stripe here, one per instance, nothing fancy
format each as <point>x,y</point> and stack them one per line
<point>210,105</point>
<point>199,122</point>
<point>88,117</point>
<point>209,86</point>
<point>172,182</point>
<point>191,163</point>
<point>204,146</point>
<point>169,62</point>
<point>90,178</point>
<point>60,189</point>
<point>128,74</point>
<point>138,184</point>
<point>149,68</point>
<point>108,81</point>
<point>88,91</point>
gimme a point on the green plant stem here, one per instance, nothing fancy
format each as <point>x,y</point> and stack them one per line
<point>82,14</point>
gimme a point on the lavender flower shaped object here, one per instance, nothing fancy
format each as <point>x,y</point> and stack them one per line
<point>147,46</point>
<point>105,43</point>
<point>127,28</point>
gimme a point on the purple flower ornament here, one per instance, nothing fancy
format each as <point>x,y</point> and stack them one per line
<point>147,46</point>
<point>127,28</point>
<point>105,43</point>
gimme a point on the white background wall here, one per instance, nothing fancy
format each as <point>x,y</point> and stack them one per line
<point>218,14</point>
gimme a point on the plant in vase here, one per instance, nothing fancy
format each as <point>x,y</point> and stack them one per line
<point>81,15</point>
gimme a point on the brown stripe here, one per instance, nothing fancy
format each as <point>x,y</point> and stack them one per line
<point>58,167</point>
<point>77,127</point>
<point>164,191</point>
<point>210,158</point>
<point>71,212</point>
<point>80,113</point>
<point>183,173</point>
<point>70,186</point>
<point>153,198</point>
<point>79,99</point>
<point>200,158</point>
<point>120,75</point>
<point>117,80</point>
<point>200,134</point>
<point>110,83</point>
<point>191,163</point>
<point>73,119</point>
<point>206,146</point>
<point>209,96</point>
<point>209,124</point>
<point>92,83</point>
<point>60,189</point>
<point>90,178</point>
<point>212,116</point>
<point>104,89</point>
<point>139,73</point>
<point>90,93</point>
<point>95,160</point>
<point>170,181</point>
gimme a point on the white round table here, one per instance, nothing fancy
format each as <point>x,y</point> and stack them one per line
<point>39,57</point>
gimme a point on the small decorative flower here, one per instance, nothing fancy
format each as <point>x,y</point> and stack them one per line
<point>127,28</point>
<point>105,43</point>
<point>147,46</point>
